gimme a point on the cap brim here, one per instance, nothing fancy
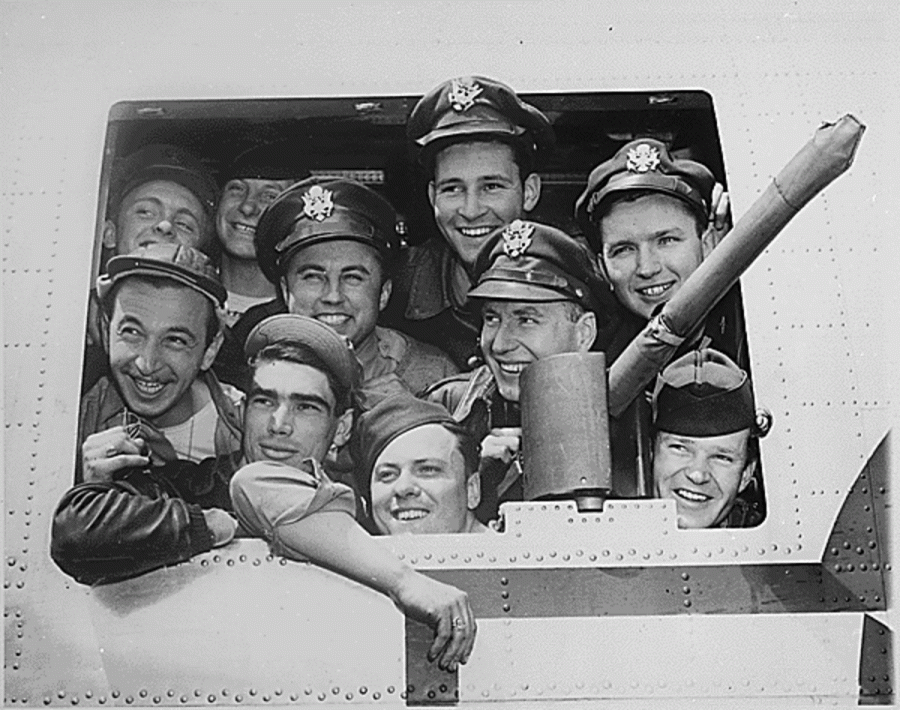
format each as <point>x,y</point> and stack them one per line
<point>512,291</point>
<point>321,238</point>
<point>449,134</point>
<point>664,184</point>
<point>124,266</point>
<point>332,348</point>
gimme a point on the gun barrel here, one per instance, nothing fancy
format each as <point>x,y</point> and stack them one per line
<point>827,155</point>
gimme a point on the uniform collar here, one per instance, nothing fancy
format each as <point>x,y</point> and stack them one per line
<point>432,266</point>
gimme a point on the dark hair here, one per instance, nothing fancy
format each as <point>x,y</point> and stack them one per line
<point>523,155</point>
<point>213,324</point>
<point>700,218</point>
<point>304,355</point>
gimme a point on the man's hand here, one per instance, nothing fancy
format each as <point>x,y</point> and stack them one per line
<point>719,213</point>
<point>221,525</point>
<point>106,452</point>
<point>446,609</point>
<point>502,444</point>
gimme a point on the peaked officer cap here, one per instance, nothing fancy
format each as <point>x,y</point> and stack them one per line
<point>322,209</point>
<point>475,106</point>
<point>529,261</point>
<point>643,164</point>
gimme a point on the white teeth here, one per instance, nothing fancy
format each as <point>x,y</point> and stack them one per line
<point>692,496</point>
<point>244,229</point>
<point>332,319</point>
<point>512,368</point>
<point>147,387</point>
<point>475,232</point>
<point>410,514</point>
<point>653,291</point>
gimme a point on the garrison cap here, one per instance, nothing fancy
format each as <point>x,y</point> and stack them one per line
<point>391,417</point>
<point>283,160</point>
<point>323,209</point>
<point>529,261</point>
<point>175,262</point>
<point>329,346</point>
<point>643,164</point>
<point>164,162</point>
<point>703,393</point>
<point>475,106</point>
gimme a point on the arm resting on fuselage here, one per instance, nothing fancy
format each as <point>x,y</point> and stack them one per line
<point>110,531</point>
<point>306,516</point>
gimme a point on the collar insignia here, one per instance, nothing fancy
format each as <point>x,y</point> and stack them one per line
<point>463,93</point>
<point>642,158</point>
<point>517,238</point>
<point>317,203</point>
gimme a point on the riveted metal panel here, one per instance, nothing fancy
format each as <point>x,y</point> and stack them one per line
<point>876,666</point>
<point>638,591</point>
<point>246,624</point>
<point>857,552</point>
<point>659,659</point>
<point>426,683</point>
<point>50,644</point>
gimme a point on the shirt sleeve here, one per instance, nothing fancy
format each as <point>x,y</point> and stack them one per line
<point>106,532</point>
<point>268,496</point>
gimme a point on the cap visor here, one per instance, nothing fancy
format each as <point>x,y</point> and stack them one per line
<point>144,267</point>
<point>663,184</point>
<point>512,291</point>
<point>320,338</point>
<point>469,128</point>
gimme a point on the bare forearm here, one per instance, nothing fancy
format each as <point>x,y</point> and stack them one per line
<point>333,539</point>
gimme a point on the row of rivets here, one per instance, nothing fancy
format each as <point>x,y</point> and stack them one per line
<point>620,556</point>
<point>212,698</point>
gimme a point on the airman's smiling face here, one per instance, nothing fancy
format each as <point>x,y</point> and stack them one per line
<point>290,414</point>
<point>650,247</point>
<point>338,283</point>
<point>240,205</point>
<point>157,212</point>
<point>516,333</point>
<point>158,347</point>
<point>703,475</point>
<point>476,192</point>
<point>419,484</point>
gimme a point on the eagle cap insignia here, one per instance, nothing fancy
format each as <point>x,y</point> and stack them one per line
<point>517,238</point>
<point>642,158</point>
<point>317,203</point>
<point>463,93</point>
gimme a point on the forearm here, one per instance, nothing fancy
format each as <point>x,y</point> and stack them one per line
<point>335,540</point>
<point>108,532</point>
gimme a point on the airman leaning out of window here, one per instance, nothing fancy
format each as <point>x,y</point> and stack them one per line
<point>299,406</point>
<point>162,324</point>
<point>706,441</point>
<point>420,468</point>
